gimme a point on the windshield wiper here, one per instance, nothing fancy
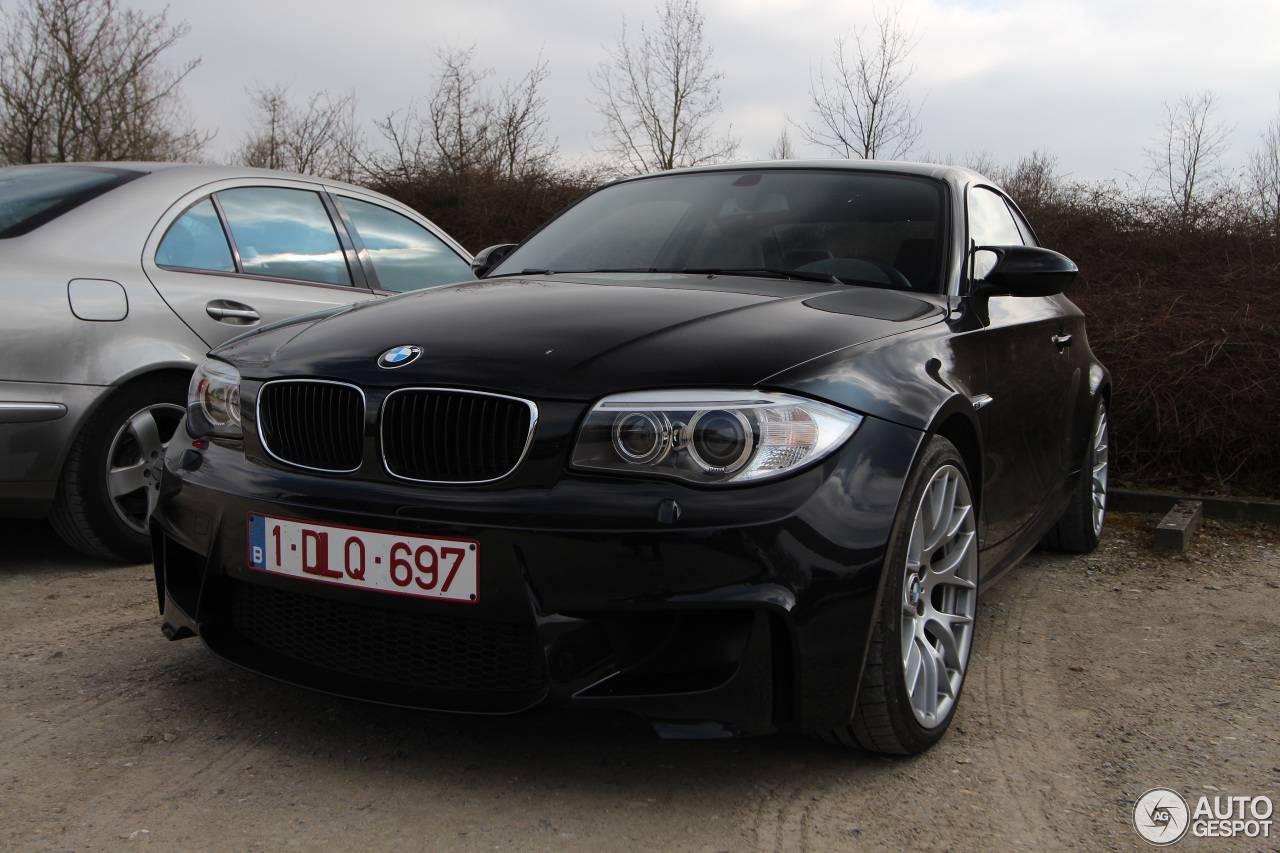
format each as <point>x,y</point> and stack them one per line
<point>765,272</point>
<point>518,272</point>
<point>541,271</point>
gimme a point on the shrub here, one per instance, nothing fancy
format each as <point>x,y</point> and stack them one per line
<point>1188,321</point>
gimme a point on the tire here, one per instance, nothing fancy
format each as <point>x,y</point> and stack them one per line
<point>919,651</point>
<point>110,480</point>
<point>1080,527</point>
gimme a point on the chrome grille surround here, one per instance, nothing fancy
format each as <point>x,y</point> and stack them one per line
<point>394,445</point>
<point>300,444</point>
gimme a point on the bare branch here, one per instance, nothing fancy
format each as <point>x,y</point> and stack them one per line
<point>321,139</point>
<point>1187,156</point>
<point>658,96</point>
<point>466,130</point>
<point>83,80</point>
<point>1264,175</point>
<point>862,108</point>
<point>520,143</point>
<point>782,148</point>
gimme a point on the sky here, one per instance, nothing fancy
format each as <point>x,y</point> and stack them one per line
<point>1084,80</point>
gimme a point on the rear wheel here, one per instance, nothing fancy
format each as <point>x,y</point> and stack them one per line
<point>111,479</point>
<point>1080,527</point>
<point>920,645</point>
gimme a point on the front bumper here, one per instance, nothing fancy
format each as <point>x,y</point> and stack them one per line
<point>751,610</point>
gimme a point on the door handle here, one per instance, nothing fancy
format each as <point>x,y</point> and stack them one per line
<point>235,313</point>
<point>1061,341</point>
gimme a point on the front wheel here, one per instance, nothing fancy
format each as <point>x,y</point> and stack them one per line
<point>111,478</point>
<point>919,650</point>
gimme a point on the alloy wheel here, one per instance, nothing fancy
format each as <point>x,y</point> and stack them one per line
<point>939,596</point>
<point>1098,452</point>
<point>135,461</point>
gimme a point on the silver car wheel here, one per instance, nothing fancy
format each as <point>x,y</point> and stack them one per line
<point>940,596</point>
<point>135,461</point>
<point>1098,452</point>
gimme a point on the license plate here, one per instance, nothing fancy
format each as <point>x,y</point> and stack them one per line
<point>422,566</point>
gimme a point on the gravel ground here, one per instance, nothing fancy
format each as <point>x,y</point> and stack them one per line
<point>1093,679</point>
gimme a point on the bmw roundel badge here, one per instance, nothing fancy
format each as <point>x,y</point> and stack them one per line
<point>399,356</point>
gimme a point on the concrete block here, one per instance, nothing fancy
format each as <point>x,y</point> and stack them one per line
<point>1176,529</point>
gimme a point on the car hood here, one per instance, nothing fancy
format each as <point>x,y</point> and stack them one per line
<point>579,337</point>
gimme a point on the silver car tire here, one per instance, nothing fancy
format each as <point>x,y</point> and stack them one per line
<point>919,651</point>
<point>110,480</point>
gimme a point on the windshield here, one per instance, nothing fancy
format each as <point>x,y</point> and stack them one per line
<point>861,228</point>
<point>32,196</point>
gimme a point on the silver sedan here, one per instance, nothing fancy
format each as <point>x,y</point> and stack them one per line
<point>115,279</point>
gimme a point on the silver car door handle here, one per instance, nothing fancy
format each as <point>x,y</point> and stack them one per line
<point>231,312</point>
<point>1061,341</point>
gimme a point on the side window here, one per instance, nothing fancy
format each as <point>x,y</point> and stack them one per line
<point>196,241</point>
<point>284,233</point>
<point>990,224</point>
<point>1028,236</point>
<point>405,255</point>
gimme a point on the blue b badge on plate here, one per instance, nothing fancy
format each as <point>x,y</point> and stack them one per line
<point>257,542</point>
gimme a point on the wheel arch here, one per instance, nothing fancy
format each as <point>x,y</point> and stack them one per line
<point>955,421</point>
<point>961,431</point>
<point>137,377</point>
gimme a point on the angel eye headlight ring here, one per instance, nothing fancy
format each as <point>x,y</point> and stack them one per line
<point>720,441</point>
<point>642,437</point>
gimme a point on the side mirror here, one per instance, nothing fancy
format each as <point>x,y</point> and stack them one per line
<point>489,258</point>
<point>1023,271</point>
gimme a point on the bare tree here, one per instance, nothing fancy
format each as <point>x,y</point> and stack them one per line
<point>84,80</point>
<point>782,148</point>
<point>409,155</point>
<point>862,108</point>
<point>1187,157</point>
<point>320,139</point>
<point>461,114</point>
<point>659,96</point>
<point>1264,175</point>
<point>520,143</point>
<point>466,129</point>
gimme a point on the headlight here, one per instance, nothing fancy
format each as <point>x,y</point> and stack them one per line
<point>213,401</point>
<point>710,436</point>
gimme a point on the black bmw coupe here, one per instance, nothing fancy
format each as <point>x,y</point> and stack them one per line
<point>733,448</point>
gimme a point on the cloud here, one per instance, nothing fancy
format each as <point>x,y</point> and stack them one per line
<point>1084,79</point>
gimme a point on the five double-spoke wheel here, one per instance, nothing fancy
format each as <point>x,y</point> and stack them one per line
<point>1080,527</point>
<point>940,596</point>
<point>920,644</point>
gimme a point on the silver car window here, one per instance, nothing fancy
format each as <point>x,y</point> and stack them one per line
<point>30,196</point>
<point>284,233</point>
<point>196,241</point>
<point>405,255</point>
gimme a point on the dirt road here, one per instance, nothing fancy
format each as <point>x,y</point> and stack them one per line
<point>1093,679</point>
